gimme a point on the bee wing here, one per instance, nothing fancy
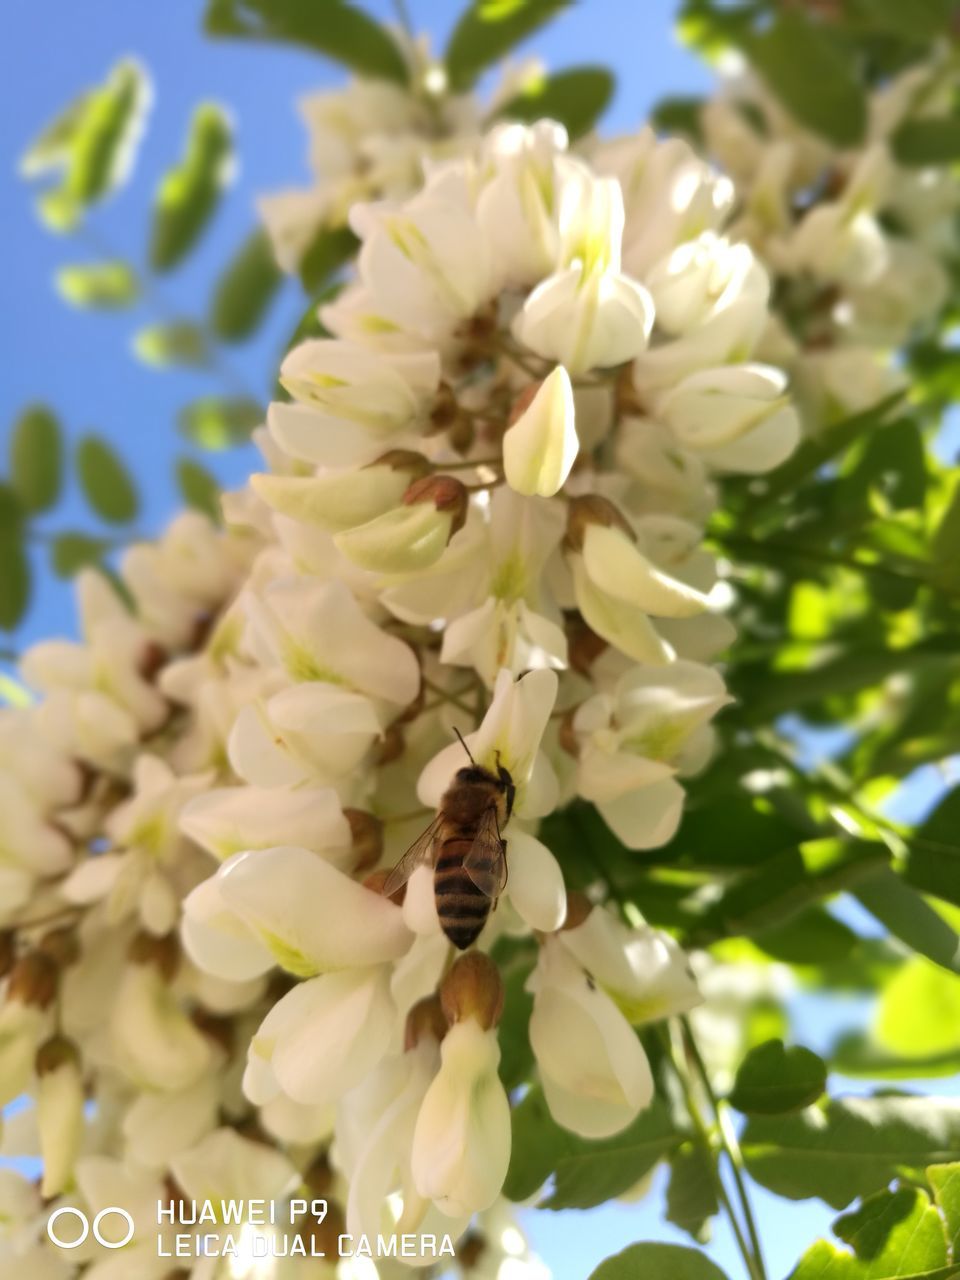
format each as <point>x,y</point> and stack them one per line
<point>486,862</point>
<point>419,853</point>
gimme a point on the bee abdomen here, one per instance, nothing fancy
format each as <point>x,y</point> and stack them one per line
<point>461,906</point>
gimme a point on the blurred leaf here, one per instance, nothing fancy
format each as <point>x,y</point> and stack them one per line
<point>71,552</point>
<point>516,1056</point>
<point>919,1012</point>
<point>15,579</point>
<point>334,28</point>
<point>849,1147</point>
<point>691,1191</point>
<point>934,140</point>
<point>908,917</point>
<point>245,289</point>
<point>488,29</point>
<point>218,422</point>
<point>945,1181</point>
<point>198,487</point>
<point>13,693</point>
<point>576,98</point>
<point>854,1054</point>
<point>658,1262</point>
<point>93,143</point>
<point>36,458</point>
<point>920,20</point>
<point>895,1235</point>
<point>330,249</point>
<point>106,483</point>
<point>167,345</point>
<point>773,1078</point>
<point>810,75</point>
<point>812,936</point>
<point>586,1173</point>
<point>679,115</point>
<point>98,284</point>
<point>189,194</point>
<point>50,150</point>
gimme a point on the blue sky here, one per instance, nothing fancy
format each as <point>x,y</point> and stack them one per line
<point>82,366</point>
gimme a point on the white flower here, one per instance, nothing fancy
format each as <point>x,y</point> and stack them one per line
<point>229,820</point>
<point>461,1144</point>
<point>596,1078</point>
<point>154,1042</point>
<point>541,446</point>
<point>60,1101</point>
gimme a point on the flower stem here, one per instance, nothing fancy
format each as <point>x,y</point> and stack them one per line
<point>731,1146</point>
<point>705,1139</point>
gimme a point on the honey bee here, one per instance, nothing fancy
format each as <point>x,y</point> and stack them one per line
<point>464,846</point>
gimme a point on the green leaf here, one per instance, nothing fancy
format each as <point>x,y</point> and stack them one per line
<point>586,1173</point>
<point>106,483</point>
<point>98,284</point>
<point>488,30</point>
<point>516,1055</point>
<point>15,578</point>
<point>810,75</point>
<point>218,422</point>
<point>850,1147</point>
<point>330,249</point>
<point>812,936</point>
<point>679,115</point>
<point>245,289</point>
<point>334,28</point>
<point>855,1054</point>
<point>165,346</point>
<point>71,552</point>
<point>658,1262</point>
<point>908,917</point>
<point>931,141</point>
<point>920,20</point>
<point>198,487</point>
<point>92,143</point>
<point>36,458</point>
<point>896,1235</point>
<point>691,1191</point>
<point>189,194</point>
<point>576,98</point>
<point>933,859</point>
<point>773,1079</point>
<point>945,1181</point>
<point>919,1012</point>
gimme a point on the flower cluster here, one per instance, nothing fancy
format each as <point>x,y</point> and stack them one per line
<point>483,513</point>
<point>860,245</point>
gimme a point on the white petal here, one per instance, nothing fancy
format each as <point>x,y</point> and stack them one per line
<point>541,446</point>
<point>535,885</point>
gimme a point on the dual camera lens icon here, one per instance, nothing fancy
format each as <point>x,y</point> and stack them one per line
<point>67,1211</point>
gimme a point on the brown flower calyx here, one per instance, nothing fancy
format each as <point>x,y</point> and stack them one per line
<point>426,1018</point>
<point>584,646</point>
<point>56,1052</point>
<point>153,658</point>
<point>473,989</point>
<point>163,953</point>
<point>390,746</point>
<point>219,1030</point>
<point>445,411</point>
<point>567,734</point>
<point>408,460</point>
<point>325,1234</point>
<point>471,1249</point>
<point>447,494</point>
<point>318,1178</point>
<point>34,980</point>
<point>579,907</point>
<point>8,951</point>
<point>588,509</point>
<point>376,882</point>
<point>366,838</point>
<point>61,945</point>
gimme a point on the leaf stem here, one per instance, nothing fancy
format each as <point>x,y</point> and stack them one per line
<point>731,1146</point>
<point>703,1136</point>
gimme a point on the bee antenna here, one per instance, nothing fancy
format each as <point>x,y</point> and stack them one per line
<point>465,747</point>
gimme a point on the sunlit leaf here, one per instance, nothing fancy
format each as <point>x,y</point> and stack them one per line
<point>919,1013</point>
<point>189,194</point>
<point>99,284</point>
<point>945,1182</point>
<point>218,422</point>
<point>167,345</point>
<point>339,30</point>
<point>489,29</point>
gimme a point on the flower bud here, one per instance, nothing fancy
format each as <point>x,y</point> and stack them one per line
<point>366,837</point>
<point>34,980</point>
<point>426,1018</point>
<point>163,953</point>
<point>579,908</point>
<point>60,1101</point>
<point>541,445</point>
<point>413,536</point>
<point>473,989</point>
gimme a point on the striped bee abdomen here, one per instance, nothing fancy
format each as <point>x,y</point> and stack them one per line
<point>461,906</point>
